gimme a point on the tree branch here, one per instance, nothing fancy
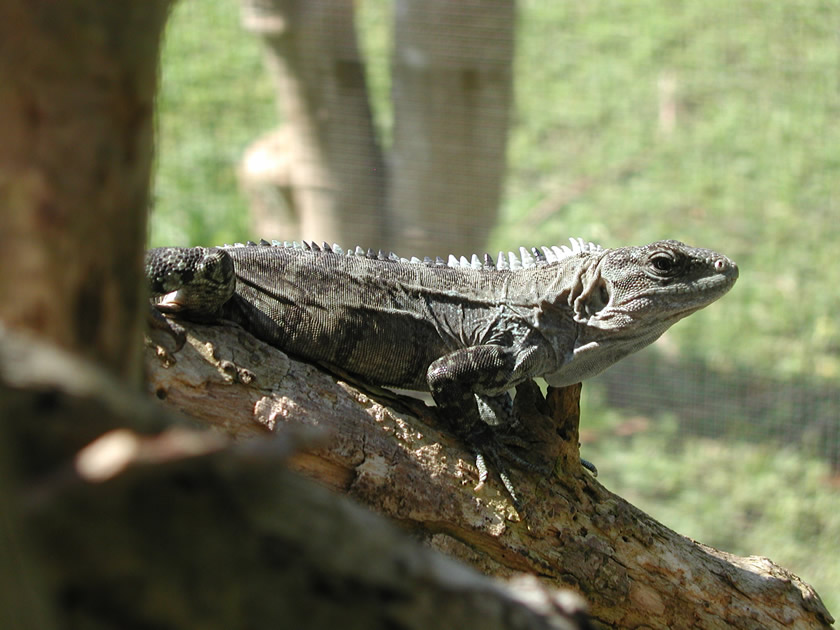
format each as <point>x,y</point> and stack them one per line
<point>391,453</point>
<point>122,517</point>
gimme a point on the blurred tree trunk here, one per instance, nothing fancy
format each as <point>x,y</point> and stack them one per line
<point>333,174</point>
<point>76,122</point>
<point>76,133</point>
<point>323,172</point>
<point>452,90</point>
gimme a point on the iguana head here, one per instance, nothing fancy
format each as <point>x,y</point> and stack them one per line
<point>624,299</point>
<point>657,284</point>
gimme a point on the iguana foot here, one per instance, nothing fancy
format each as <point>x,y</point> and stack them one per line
<point>498,465</point>
<point>161,326</point>
<point>488,424</point>
<point>494,449</point>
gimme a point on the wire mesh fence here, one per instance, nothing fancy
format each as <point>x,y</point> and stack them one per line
<point>794,413</point>
<point>714,123</point>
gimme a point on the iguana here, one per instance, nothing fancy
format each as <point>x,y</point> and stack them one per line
<point>467,330</point>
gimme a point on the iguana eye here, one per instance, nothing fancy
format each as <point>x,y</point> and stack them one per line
<point>662,263</point>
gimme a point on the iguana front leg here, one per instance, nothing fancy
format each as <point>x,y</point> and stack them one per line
<point>470,387</point>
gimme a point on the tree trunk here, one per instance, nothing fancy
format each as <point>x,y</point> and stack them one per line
<point>452,87</point>
<point>76,122</point>
<point>391,454</point>
<point>452,92</point>
<point>335,168</point>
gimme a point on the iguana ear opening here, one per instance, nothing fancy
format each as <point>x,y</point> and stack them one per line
<point>594,300</point>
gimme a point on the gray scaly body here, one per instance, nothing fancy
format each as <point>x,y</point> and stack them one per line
<point>467,330</point>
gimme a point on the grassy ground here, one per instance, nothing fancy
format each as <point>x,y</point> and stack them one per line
<point>714,122</point>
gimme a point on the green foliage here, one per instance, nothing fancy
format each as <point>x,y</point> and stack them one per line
<point>215,98</point>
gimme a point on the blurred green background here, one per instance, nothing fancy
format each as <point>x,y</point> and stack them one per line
<point>716,123</point>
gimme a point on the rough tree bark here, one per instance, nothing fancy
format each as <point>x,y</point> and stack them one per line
<point>390,453</point>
